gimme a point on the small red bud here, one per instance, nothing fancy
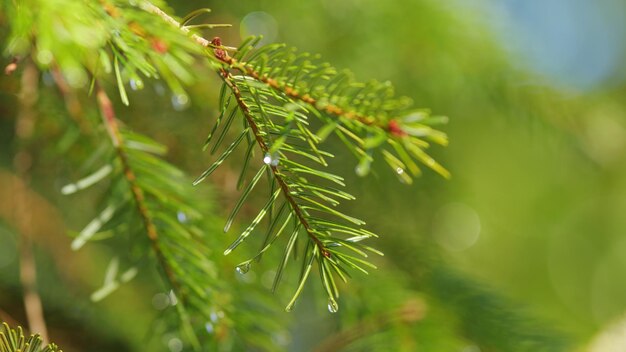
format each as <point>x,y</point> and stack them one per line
<point>217,41</point>
<point>159,46</point>
<point>395,129</point>
<point>325,253</point>
<point>219,53</point>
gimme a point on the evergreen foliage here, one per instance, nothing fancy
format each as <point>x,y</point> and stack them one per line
<point>12,340</point>
<point>278,108</point>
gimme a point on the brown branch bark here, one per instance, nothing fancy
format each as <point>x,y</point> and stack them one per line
<point>279,179</point>
<point>110,121</point>
<point>222,56</point>
<point>22,163</point>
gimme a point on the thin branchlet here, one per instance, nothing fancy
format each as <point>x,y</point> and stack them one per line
<point>222,55</point>
<point>110,121</point>
<point>227,78</point>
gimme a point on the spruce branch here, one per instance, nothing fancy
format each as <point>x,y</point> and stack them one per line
<point>275,90</point>
<point>228,80</point>
<point>291,177</point>
<point>22,162</point>
<point>117,139</point>
<point>12,340</point>
<point>110,121</point>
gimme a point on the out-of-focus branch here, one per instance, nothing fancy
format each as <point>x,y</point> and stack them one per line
<point>7,318</point>
<point>411,311</point>
<point>22,163</point>
<point>221,55</point>
<point>110,120</point>
<point>72,103</point>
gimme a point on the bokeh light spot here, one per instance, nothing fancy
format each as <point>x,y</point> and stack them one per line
<point>456,227</point>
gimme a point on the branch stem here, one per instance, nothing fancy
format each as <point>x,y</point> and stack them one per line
<point>227,77</point>
<point>248,70</point>
<point>110,121</point>
<point>22,162</point>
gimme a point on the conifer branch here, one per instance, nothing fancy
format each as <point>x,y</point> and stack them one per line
<point>292,92</point>
<point>12,340</point>
<point>221,55</point>
<point>150,7</point>
<point>227,78</point>
<point>110,121</point>
<point>22,162</point>
<point>388,122</point>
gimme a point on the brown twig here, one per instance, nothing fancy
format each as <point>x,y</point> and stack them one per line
<point>72,104</point>
<point>221,55</point>
<point>226,76</point>
<point>22,162</point>
<point>110,121</point>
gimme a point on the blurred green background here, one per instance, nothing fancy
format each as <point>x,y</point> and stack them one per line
<point>536,207</point>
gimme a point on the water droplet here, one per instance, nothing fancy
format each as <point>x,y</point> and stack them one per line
<point>180,101</point>
<point>173,299</point>
<point>182,217</point>
<point>399,171</point>
<point>243,268</point>
<point>136,84</point>
<point>209,327</point>
<point>333,307</point>
<point>272,159</point>
<point>363,168</point>
<point>175,344</point>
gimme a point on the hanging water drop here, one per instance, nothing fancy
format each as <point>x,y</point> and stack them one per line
<point>172,297</point>
<point>271,159</point>
<point>243,268</point>
<point>136,84</point>
<point>399,171</point>
<point>363,167</point>
<point>180,101</point>
<point>333,307</point>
